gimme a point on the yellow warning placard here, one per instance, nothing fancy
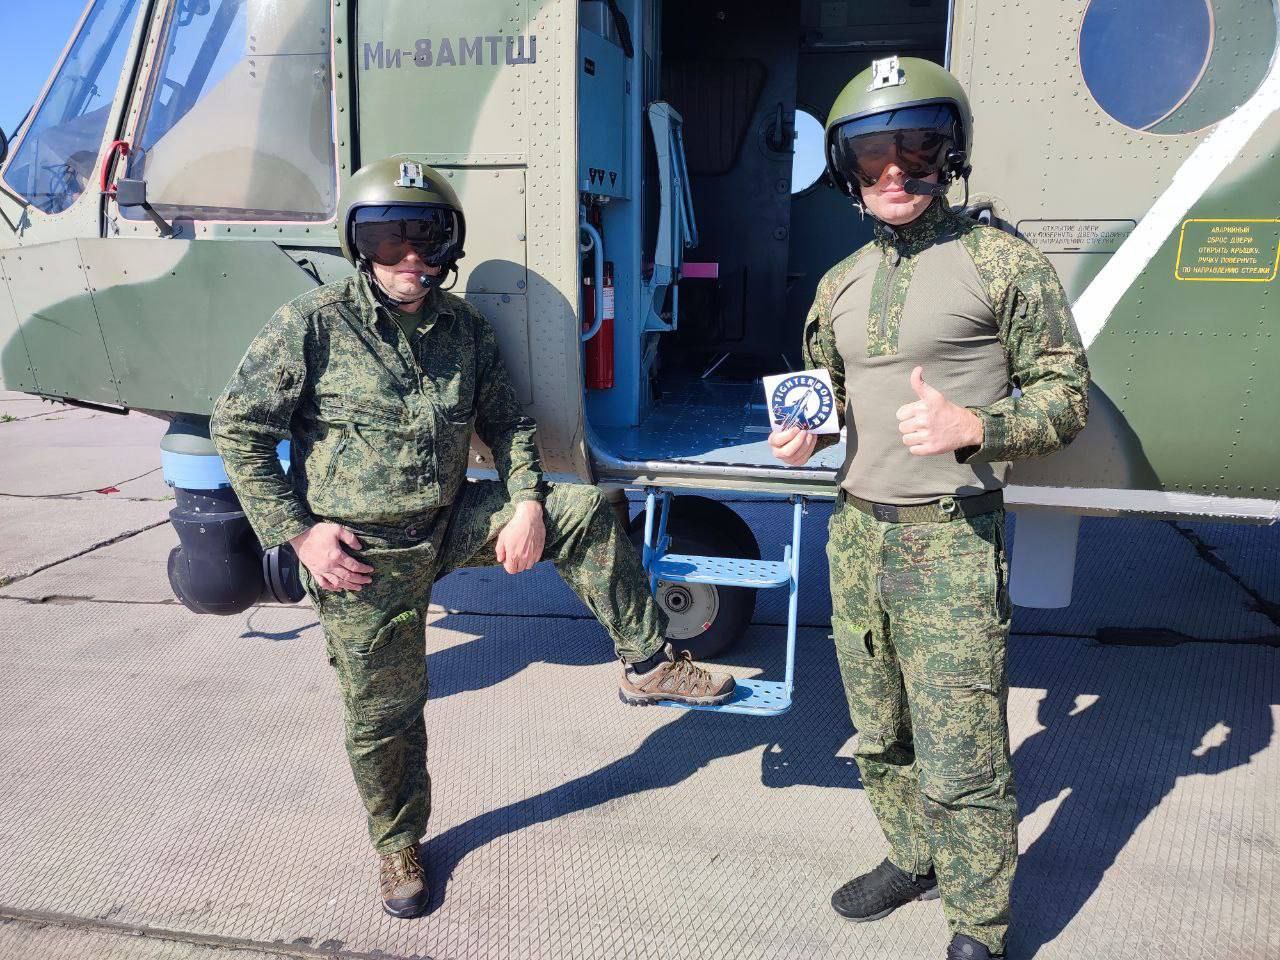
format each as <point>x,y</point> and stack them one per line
<point>1229,250</point>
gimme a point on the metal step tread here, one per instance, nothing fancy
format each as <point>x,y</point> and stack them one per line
<point>759,698</point>
<point>727,571</point>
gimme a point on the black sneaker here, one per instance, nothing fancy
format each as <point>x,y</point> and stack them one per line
<point>966,948</point>
<point>882,891</point>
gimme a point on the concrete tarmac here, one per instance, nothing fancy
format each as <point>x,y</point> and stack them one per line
<point>173,786</point>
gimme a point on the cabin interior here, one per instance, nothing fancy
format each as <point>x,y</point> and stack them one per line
<point>701,169</point>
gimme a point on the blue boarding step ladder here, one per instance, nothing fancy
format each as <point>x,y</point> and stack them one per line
<point>753,697</point>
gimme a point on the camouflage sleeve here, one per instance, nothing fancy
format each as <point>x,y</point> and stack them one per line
<point>1046,359</point>
<point>510,435</point>
<point>819,350</point>
<point>251,418</point>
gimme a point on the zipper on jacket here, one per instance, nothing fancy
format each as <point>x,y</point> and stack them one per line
<point>888,291</point>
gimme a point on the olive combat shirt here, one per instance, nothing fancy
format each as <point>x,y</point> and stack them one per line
<point>411,322</point>
<point>982,311</point>
<point>380,421</point>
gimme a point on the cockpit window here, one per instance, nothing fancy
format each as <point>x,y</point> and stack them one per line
<point>58,153</point>
<point>1175,66</point>
<point>238,122</point>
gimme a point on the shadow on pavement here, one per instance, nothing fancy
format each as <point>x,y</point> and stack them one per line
<point>1117,739</point>
<point>1121,727</point>
<point>799,747</point>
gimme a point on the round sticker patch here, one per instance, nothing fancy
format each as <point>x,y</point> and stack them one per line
<point>804,400</point>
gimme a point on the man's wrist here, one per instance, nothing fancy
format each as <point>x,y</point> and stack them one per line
<point>296,540</point>
<point>977,437</point>
<point>531,508</point>
<point>975,429</point>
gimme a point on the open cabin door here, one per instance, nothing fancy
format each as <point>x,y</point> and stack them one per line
<point>730,70</point>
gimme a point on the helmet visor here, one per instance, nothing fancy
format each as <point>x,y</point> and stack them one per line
<point>387,235</point>
<point>917,139</point>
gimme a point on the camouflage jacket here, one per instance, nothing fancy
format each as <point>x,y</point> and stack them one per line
<point>997,296</point>
<point>380,422</point>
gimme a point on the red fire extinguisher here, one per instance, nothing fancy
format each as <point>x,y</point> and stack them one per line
<point>599,354</point>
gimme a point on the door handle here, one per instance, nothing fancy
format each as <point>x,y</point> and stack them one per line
<point>118,148</point>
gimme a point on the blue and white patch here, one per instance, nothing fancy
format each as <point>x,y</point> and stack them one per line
<point>804,399</point>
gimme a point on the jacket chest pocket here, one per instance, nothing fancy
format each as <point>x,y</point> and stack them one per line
<point>452,385</point>
<point>384,459</point>
<point>453,396</point>
<point>454,425</point>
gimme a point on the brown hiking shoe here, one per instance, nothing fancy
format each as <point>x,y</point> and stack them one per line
<point>678,679</point>
<point>403,883</point>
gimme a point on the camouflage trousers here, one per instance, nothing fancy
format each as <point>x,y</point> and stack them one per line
<point>375,637</point>
<point>920,618</point>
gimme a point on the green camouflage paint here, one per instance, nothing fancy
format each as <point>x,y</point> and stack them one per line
<point>1045,151</point>
<point>213,298</point>
<point>1186,364</point>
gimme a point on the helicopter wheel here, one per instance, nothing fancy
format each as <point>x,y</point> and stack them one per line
<point>705,619</point>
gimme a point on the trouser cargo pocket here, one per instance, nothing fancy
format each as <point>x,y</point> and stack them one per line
<point>387,676</point>
<point>960,733</point>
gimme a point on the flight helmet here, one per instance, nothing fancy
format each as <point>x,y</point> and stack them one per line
<point>394,205</point>
<point>901,109</point>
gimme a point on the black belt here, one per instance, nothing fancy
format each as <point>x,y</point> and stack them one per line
<point>941,510</point>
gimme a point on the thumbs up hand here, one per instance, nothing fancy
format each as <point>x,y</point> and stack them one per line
<point>933,424</point>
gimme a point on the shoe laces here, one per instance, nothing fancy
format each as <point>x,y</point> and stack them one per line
<point>683,670</point>
<point>404,864</point>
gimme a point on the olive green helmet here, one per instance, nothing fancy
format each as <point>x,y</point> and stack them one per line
<point>396,188</point>
<point>892,96</point>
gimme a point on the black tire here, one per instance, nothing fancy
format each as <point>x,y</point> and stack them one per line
<point>703,527</point>
<point>715,520</point>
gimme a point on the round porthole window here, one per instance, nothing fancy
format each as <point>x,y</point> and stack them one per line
<point>809,159</point>
<point>1174,66</point>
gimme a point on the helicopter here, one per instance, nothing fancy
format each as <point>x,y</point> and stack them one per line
<point>650,218</point>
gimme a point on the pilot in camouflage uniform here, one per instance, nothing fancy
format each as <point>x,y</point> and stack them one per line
<point>380,396</point>
<point>920,608</point>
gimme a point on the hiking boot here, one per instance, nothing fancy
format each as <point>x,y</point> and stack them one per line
<point>882,891</point>
<point>674,677</point>
<point>403,883</point>
<point>964,947</point>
